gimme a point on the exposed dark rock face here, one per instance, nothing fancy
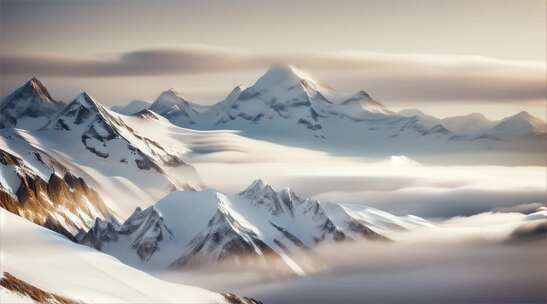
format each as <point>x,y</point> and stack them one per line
<point>234,299</point>
<point>54,225</point>
<point>146,228</point>
<point>366,232</point>
<point>58,204</point>
<point>152,231</point>
<point>100,233</point>
<point>225,241</point>
<point>289,236</point>
<point>146,114</point>
<point>23,288</point>
<point>8,202</point>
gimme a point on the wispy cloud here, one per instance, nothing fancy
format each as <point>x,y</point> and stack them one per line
<point>398,76</point>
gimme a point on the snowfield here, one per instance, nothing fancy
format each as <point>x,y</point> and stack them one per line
<point>79,272</point>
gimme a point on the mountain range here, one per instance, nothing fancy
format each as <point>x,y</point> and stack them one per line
<point>287,106</point>
<point>259,224</point>
<point>82,151</point>
<point>69,168</point>
<point>89,173</point>
<point>120,182</point>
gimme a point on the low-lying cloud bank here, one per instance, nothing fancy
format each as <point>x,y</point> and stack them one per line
<point>398,184</point>
<point>423,77</point>
<point>435,274</point>
<point>529,232</point>
<point>440,203</point>
<point>490,257</point>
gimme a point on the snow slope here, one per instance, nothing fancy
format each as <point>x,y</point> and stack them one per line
<point>383,222</point>
<point>60,266</point>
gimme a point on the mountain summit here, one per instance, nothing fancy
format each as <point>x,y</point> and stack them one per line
<point>286,76</point>
<point>522,123</point>
<point>28,107</point>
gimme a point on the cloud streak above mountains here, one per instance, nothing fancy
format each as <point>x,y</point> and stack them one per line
<point>423,77</point>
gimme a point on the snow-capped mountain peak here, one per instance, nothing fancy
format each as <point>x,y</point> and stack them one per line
<point>29,107</point>
<point>361,101</point>
<point>133,107</point>
<point>520,124</point>
<point>286,76</point>
<point>254,188</point>
<point>173,105</point>
<point>167,100</point>
<point>37,87</point>
<point>526,116</point>
<point>87,101</point>
<point>232,96</point>
<point>85,112</point>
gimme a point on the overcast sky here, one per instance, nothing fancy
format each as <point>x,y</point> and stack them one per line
<point>445,57</point>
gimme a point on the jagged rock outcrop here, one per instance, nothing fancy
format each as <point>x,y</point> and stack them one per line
<point>144,230</point>
<point>64,203</point>
<point>235,299</point>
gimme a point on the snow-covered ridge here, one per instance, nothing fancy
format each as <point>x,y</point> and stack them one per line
<point>258,225</point>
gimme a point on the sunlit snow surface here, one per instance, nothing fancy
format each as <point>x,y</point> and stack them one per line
<point>51,262</point>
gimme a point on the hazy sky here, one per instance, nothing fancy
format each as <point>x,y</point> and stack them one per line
<point>446,57</point>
